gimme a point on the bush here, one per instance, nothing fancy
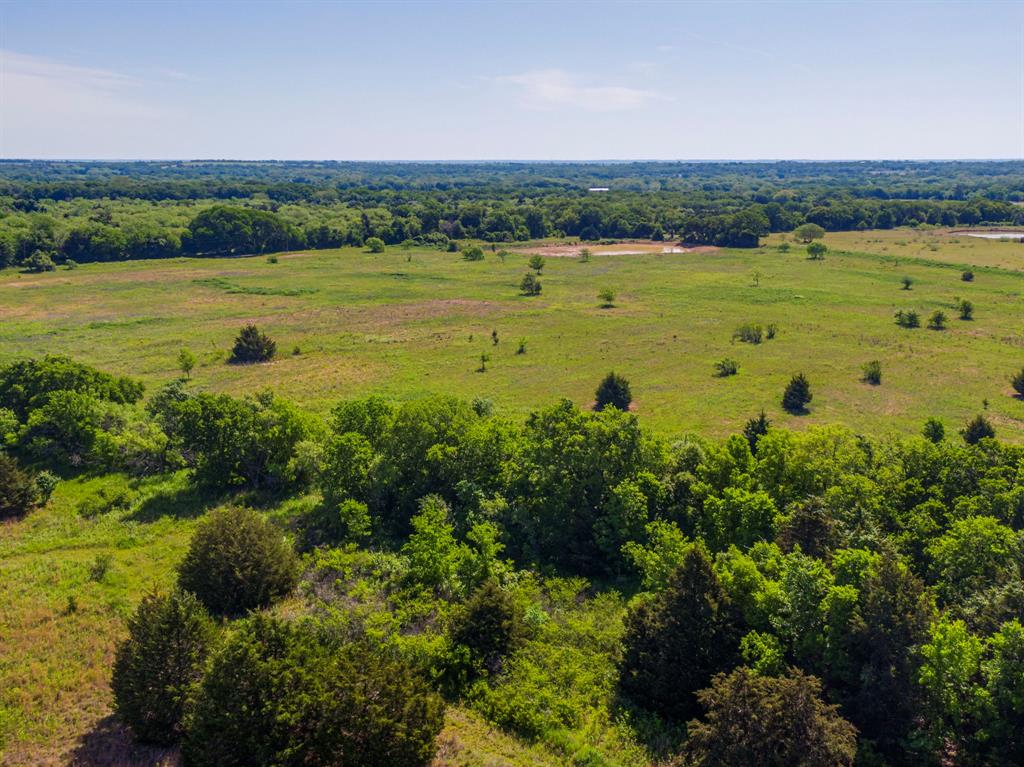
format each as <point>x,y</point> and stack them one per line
<point>816,251</point>
<point>937,321</point>
<point>536,263</point>
<point>675,642</point>
<point>613,391</point>
<point>797,395</point>
<point>933,430</point>
<point>748,334</point>
<point>872,373</point>
<point>530,285</point>
<point>252,346</point>
<point>977,429</point>
<point>908,318</point>
<point>607,298</point>
<point>276,693</point>
<point>237,562</point>
<point>756,428</point>
<point>967,276</point>
<point>784,247</point>
<point>966,309</point>
<point>762,720</point>
<point>472,253</point>
<point>771,331</point>
<point>39,262</point>
<point>155,668</point>
<point>489,625</point>
<point>19,492</point>
<point>374,244</point>
<point>1017,382</point>
<point>906,282</point>
<point>726,367</point>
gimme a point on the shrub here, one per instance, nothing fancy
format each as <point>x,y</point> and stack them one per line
<point>19,492</point>
<point>967,276</point>
<point>977,429</point>
<point>816,251</point>
<point>39,262</point>
<point>808,232</point>
<point>966,309</point>
<point>472,253</point>
<point>252,346</point>
<point>237,562</point>
<point>186,362</point>
<point>70,264</point>
<point>276,693</point>
<point>675,642</point>
<point>272,259</point>
<point>906,282</point>
<point>521,349</point>
<point>872,373</point>
<point>155,668</point>
<point>797,395</point>
<point>933,430</point>
<point>784,247</point>
<point>28,384</point>
<point>771,331</point>
<point>726,367</point>
<point>756,428</point>
<point>748,334</point>
<point>937,321</point>
<point>530,285</point>
<point>606,297</point>
<point>1017,382</point>
<point>908,318</point>
<point>613,391</point>
<point>489,625</point>
<point>762,720</point>
<point>585,255</point>
<point>536,263</point>
<point>374,244</point>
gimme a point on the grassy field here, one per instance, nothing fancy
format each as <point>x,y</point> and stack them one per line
<point>407,323</point>
<point>411,322</point>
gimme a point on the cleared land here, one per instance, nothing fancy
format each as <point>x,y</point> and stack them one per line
<point>407,323</point>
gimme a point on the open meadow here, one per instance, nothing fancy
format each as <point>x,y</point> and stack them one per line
<point>409,322</point>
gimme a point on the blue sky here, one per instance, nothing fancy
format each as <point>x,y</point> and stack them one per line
<point>519,80</point>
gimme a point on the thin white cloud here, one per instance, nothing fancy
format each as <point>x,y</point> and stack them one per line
<point>49,108</point>
<point>554,88</point>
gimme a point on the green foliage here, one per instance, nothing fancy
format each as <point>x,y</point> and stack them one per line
<point>186,362</point>
<point>872,373</point>
<point>19,492</point>
<point>967,275</point>
<point>39,262</point>
<point>807,232</point>
<point>908,318</point>
<point>489,625</point>
<point>435,556</point>
<point>27,384</point>
<point>748,334</point>
<point>950,676</point>
<point>607,298</point>
<point>1017,382</point>
<point>974,554</point>
<point>536,263</point>
<point>658,558</point>
<point>472,253</point>
<point>933,430</point>
<point>726,367</point>
<point>937,321</point>
<point>816,251</point>
<point>374,244</point>
<point>251,346</point>
<point>753,719</point>
<point>675,642</point>
<point>530,285</point>
<point>156,666</point>
<point>763,653</point>
<point>965,309</point>
<point>756,428</point>
<point>276,693</point>
<point>613,391</point>
<point>906,282</point>
<point>237,562</point>
<point>797,395</point>
<point>977,429</point>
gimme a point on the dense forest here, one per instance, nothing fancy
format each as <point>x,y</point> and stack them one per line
<point>53,212</point>
<point>817,598</point>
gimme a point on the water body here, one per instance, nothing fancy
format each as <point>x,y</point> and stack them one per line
<point>994,235</point>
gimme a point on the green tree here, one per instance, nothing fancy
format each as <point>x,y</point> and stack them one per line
<point>756,428</point>
<point>536,263</point>
<point>435,556</point>
<point>937,321</point>
<point>934,431</point>
<point>950,676</point>
<point>39,262</point>
<point>186,361</point>
<point>816,251</point>
<point>155,667</point>
<point>973,554</point>
<point>237,561</point>
<point>807,232</point>
<point>252,346</point>
<point>906,282</point>
<point>977,429</point>
<point>1004,685</point>
<point>607,298</point>
<point>374,244</point>
<point>18,490</point>
<point>676,641</point>
<point>965,309</point>
<point>761,721</point>
<point>613,391</point>
<point>276,693</point>
<point>797,395</point>
<point>872,373</point>
<point>489,625</point>
<point>530,285</point>
<point>472,253</point>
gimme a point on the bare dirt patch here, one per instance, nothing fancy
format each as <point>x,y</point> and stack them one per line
<point>626,248</point>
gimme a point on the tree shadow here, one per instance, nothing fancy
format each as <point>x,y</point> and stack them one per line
<point>187,502</point>
<point>110,743</point>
